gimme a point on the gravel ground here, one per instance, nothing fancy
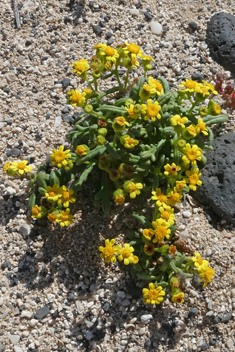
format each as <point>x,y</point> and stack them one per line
<point>55,292</point>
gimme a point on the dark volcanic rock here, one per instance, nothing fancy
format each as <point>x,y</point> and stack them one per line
<point>218,178</point>
<point>221,40</point>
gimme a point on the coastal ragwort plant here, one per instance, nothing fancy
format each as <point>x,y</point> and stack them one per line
<point>138,137</point>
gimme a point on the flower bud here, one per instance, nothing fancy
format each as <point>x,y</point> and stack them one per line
<point>119,196</point>
<point>137,109</point>
<point>114,174</point>
<point>181,143</point>
<point>144,95</point>
<point>203,111</point>
<point>100,140</point>
<point>88,108</point>
<point>104,163</point>
<point>102,131</point>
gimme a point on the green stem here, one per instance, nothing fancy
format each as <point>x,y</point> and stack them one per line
<point>114,140</point>
<point>89,84</point>
<point>126,79</point>
<point>118,79</point>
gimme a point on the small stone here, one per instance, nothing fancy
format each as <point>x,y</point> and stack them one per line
<point>26,314</point>
<point>156,27</point>
<point>33,323</point>
<point>148,16</point>
<point>24,229</point>
<point>18,349</point>
<point>2,347</point>
<point>109,41</point>
<point>14,339</point>
<point>10,190</point>
<point>134,12</point>
<point>229,343</point>
<point>57,121</point>
<point>210,313</point>
<point>42,313</point>
<point>184,235</point>
<point>97,30</point>
<point>146,318</point>
<point>197,77</point>
<point>121,294</point>
<point>186,214</point>
<point>213,342</point>
<point>65,82</point>
<point>19,48</point>
<point>20,59</point>
<point>108,35</point>
<point>15,152</point>
<point>10,77</point>
<point>193,26</point>
<point>193,312</point>
<point>28,43</point>
<point>204,346</point>
<point>3,83</point>
<point>227,317</point>
<point>89,335</point>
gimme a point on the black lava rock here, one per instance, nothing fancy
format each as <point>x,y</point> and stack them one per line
<point>110,42</point>
<point>218,178</point>
<point>42,313</point>
<point>13,152</point>
<point>107,18</point>
<point>108,35</point>
<point>148,16</point>
<point>220,40</point>
<point>193,312</point>
<point>197,77</point>
<point>65,82</point>
<point>193,26</point>
<point>97,30</point>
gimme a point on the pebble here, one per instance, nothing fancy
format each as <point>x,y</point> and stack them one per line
<point>26,314</point>
<point>89,335</point>
<point>14,339</point>
<point>24,229</point>
<point>57,121</point>
<point>33,323</point>
<point>134,12</point>
<point>193,312</point>
<point>184,234</point>
<point>156,27</point>
<point>97,30</point>
<point>186,214</point>
<point>146,318</point>
<point>13,152</point>
<point>229,343</point>
<point>42,313</point>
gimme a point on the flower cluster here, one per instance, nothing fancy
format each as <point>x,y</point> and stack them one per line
<point>227,91</point>
<point>135,138</point>
<point>124,253</point>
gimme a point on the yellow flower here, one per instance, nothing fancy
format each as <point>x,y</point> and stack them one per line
<point>130,142</point>
<point>109,251</point>
<point>38,212</point>
<point>126,254</point>
<point>153,295</point>
<point>180,185</point>
<point>161,230</point>
<point>191,154</point>
<point>133,49</point>
<point>198,261</point>
<point>21,167</point>
<point>159,197</point>
<point>172,249</point>
<point>53,193</point>
<point>110,53</point>
<point>76,98</point>
<point>131,113</point>
<point>148,90</point>
<point>6,166</point>
<point>52,217</point>
<point>100,46</point>
<point>206,273</point>
<point>88,92</point>
<point>201,127</point>
<point>173,197</point>
<point>132,188</point>
<point>82,150</point>
<point>189,85</point>
<point>167,213</point>
<point>119,124</point>
<point>58,158</point>
<point>119,196</point>
<point>192,130</point>
<point>64,218</point>
<point>177,120</point>
<point>217,109</point>
<point>134,62</point>
<point>193,178</point>
<point>151,110</point>
<point>80,66</point>
<point>211,87</point>
<point>171,169</point>
<point>204,91</point>
<point>147,234</point>
<point>157,85</point>
<point>66,197</point>
<point>178,297</point>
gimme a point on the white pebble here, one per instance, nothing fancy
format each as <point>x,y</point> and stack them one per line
<point>18,349</point>
<point>156,27</point>
<point>134,12</point>
<point>57,121</point>
<point>229,343</point>
<point>146,318</point>
<point>186,214</point>
<point>14,339</point>
<point>33,323</point>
